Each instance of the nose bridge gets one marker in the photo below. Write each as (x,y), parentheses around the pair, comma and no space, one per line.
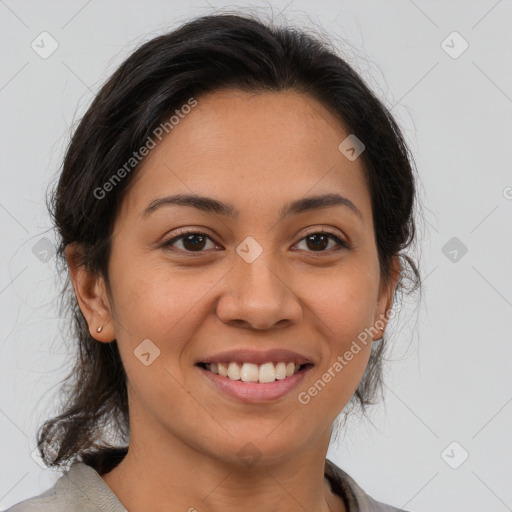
(258,294)
(257,268)
(260,276)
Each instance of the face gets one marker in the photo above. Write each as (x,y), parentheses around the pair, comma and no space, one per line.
(255,275)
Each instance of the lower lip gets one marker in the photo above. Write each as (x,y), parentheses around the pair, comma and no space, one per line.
(255,391)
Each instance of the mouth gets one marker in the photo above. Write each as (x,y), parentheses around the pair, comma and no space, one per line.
(254,383)
(265,373)
(256,376)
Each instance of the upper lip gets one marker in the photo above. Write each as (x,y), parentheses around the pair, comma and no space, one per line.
(257,356)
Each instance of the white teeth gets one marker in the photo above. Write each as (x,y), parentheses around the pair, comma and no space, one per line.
(222,368)
(234,371)
(267,372)
(280,371)
(250,372)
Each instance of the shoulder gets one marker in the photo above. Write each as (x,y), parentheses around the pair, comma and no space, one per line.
(355,497)
(44,501)
(81,488)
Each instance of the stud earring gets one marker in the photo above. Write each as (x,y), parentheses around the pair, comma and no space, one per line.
(100,328)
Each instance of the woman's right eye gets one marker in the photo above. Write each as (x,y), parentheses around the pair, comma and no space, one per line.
(191,241)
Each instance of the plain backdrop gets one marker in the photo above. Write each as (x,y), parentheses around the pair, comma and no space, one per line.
(441,441)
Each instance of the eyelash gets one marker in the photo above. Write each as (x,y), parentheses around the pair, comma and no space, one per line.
(183,233)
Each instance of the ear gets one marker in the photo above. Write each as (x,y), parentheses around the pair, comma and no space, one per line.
(385,299)
(91,293)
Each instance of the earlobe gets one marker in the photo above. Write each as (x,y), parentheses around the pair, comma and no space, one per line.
(91,294)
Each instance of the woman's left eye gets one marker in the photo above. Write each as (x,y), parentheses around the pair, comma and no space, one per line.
(196,241)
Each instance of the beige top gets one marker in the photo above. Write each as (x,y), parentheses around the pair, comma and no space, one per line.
(81,488)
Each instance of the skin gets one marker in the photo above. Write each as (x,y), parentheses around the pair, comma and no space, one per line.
(257,152)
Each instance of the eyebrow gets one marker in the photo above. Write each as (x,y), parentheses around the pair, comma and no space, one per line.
(211,205)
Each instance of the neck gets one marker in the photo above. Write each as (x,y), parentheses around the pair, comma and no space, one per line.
(160,472)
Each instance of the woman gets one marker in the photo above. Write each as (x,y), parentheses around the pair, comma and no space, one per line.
(233,210)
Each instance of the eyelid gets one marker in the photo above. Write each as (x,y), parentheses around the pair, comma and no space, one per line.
(315,230)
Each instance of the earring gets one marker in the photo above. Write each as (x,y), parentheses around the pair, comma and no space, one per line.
(100,328)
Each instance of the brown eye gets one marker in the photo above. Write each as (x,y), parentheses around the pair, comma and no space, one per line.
(191,241)
(318,242)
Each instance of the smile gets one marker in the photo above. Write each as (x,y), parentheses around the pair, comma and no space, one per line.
(250,372)
(251,382)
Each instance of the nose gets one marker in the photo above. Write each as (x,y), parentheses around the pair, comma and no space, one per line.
(259,295)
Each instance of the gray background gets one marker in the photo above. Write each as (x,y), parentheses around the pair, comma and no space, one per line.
(449,378)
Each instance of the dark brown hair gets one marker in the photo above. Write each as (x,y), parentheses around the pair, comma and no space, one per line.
(204,55)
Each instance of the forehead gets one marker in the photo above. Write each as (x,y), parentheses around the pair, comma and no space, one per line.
(258,149)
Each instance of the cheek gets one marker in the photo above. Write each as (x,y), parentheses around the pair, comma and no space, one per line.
(166,309)
(152,298)
(345,301)
(151,302)
(345,307)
